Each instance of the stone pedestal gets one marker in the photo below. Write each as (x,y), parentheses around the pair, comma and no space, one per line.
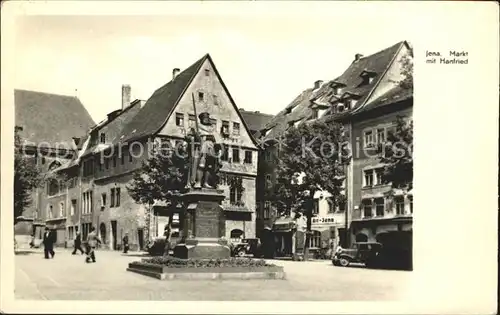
(203,224)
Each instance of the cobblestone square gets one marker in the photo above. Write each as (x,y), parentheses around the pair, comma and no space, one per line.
(68,277)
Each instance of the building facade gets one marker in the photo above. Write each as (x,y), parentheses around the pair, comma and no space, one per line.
(51,127)
(115,148)
(366,83)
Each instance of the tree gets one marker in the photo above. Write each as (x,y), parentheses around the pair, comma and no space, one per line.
(407,72)
(162,178)
(311,158)
(27,176)
(397,155)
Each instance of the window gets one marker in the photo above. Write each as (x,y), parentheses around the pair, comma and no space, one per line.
(236,129)
(192,121)
(106,163)
(367,209)
(225,152)
(400,206)
(379,207)
(103,138)
(379,173)
(315,206)
(337,90)
(267,210)
(368,138)
(117,197)
(216,99)
(122,156)
(201,96)
(269,182)
(248,157)
(340,107)
(61,209)
(112,198)
(331,205)
(179,120)
(73,206)
(381,135)
(103,200)
(342,206)
(207,72)
(268,156)
(411,204)
(368,178)
(235,193)
(236,155)
(114,160)
(315,240)
(225,128)
(43,159)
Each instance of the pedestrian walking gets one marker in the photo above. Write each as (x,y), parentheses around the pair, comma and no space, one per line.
(77,244)
(125,243)
(92,241)
(48,244)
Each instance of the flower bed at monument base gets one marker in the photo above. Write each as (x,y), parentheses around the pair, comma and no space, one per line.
(204,269)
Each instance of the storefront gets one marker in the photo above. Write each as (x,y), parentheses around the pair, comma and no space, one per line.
(283,231)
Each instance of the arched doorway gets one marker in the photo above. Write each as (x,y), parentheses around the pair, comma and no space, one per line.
(361,237)
(102,229)
(236,234)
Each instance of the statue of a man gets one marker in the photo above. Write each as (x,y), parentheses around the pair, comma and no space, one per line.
(204,150)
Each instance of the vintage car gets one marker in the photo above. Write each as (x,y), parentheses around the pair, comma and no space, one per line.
(360,252)
(247,246)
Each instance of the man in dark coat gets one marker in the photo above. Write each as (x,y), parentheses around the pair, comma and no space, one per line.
(48,243)
(125,243)
(77,245)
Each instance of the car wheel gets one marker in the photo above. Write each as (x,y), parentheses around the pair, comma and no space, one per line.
(241,253)
(344,262)
(335,263)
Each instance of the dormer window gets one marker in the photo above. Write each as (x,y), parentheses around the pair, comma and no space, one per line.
(368,76)
(341,107)
(337,90)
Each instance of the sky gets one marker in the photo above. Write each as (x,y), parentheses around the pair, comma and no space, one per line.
(265,61)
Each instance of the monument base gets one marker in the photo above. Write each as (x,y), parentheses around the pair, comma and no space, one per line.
(202,249)
(204,225)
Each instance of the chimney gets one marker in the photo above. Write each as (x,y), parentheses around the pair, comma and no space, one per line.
(175,72)
(357,57)
(125,95)
(318,84)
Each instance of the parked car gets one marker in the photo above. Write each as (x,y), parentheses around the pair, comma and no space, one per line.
(247,246)
(360,252)
(392,258)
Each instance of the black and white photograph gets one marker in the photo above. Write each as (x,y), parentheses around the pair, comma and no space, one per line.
(216,156)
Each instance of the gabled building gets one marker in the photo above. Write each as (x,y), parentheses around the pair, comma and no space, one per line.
(365,82)
(116,147)
(51,127)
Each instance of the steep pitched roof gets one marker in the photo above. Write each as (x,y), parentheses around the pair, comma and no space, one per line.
(255,120)
(50,118)
(377,64)
(115,125)
(158,108)
(297,110)
(160,105)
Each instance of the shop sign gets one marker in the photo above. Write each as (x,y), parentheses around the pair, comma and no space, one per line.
(322,220)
